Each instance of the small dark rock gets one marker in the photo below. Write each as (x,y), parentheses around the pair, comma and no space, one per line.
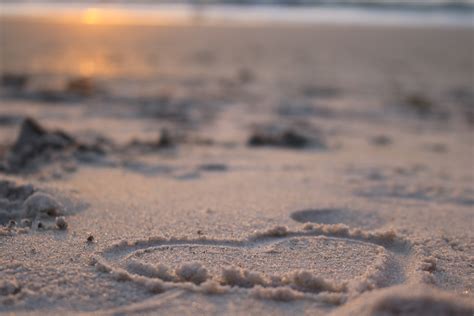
(82,86)
(288,138)
(381,140)
(90,238)
(15,81)
(213,167)
(419,103)
(165,139)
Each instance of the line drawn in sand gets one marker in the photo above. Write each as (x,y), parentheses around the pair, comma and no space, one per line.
(326,263)
(329,263)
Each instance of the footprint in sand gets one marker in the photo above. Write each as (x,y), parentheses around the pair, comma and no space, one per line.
(438,193)
(352,218)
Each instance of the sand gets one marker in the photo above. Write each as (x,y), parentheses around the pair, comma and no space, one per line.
(236,170)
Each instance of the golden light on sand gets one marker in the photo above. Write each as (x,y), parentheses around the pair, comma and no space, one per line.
(87,68)
(93,66)
(92,16)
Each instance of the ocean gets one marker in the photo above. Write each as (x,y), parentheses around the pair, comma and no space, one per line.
(385,12)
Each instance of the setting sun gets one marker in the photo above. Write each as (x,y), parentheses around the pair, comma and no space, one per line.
(91,16)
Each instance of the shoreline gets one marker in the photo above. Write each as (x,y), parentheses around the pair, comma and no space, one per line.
(222,15)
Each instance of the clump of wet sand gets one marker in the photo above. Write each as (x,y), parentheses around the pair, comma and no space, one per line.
(23,207)
(36,146)
(286,138)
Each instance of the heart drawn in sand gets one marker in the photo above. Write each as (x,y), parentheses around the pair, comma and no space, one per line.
(315,260)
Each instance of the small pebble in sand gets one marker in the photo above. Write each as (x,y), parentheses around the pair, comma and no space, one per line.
(90,238)
(420,103)
(61,223)
(165,139)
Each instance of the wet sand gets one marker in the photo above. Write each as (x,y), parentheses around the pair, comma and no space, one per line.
(236,170)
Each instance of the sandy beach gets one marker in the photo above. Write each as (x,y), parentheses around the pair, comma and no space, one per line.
(236,169)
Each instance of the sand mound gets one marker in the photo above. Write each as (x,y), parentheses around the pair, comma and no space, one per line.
(408,300)
(23,207)
(41,204)
(287,137)
(11,200)
(36,146)
(34,142)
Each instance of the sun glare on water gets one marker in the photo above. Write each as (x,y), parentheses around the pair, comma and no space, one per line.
(91,16)
(120,16)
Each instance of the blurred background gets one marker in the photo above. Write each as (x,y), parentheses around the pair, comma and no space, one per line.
(184,61)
